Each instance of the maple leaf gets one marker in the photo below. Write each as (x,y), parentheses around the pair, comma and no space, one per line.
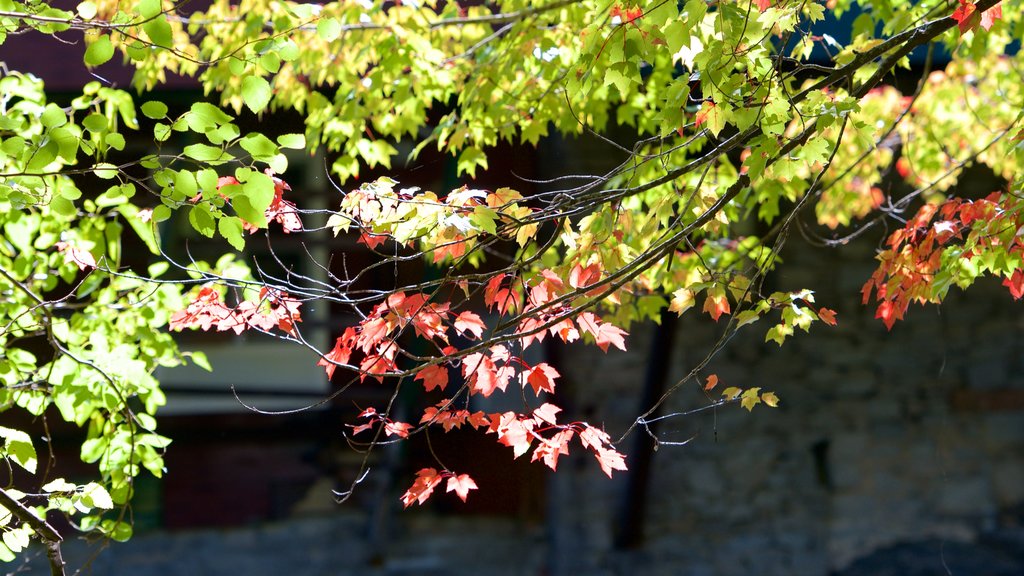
(546,413)
(889,314)
(340,354)
(827,316)
(542,377)
(565,330)
(716,304)
(482,374)
(604,334)
(989,17)
(373,331)
(361,427)
(550,449)
(469,323)
(610,460)
(461,485)
(763,5)
(580,277)
(400,429)
(433,376)
(1016,284)
(770,399)
(512,431)
(712,382)
(426,480)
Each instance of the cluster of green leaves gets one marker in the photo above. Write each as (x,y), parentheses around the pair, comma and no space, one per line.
(79,340)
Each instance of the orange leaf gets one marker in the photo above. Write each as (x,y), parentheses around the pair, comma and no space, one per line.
(712,382)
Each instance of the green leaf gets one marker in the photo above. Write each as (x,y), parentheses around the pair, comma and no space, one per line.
(99,52)
(149,8)
(207,153)
(159,31)
(293,141)
(97,496)
(259,146)
(255,93)
(53,116)
(328,29)
(154,109)
(105,170)
(18,447)
(201,219)
(230,227)
(86,10)
(483,218)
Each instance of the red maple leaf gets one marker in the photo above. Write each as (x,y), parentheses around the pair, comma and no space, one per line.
(469,323)
(550,449)
(434,376)
(545,413)
(340,354)
(461,485)
(610,460)
(965,16)
(827,316)
(989,17)
(763,5)
(400,429)
(426,480)
(512,431)
(542,377)
(604,334)
(580,277)
(1016,284)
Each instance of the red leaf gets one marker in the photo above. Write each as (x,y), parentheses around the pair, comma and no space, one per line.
(603,333)
(362,427)
(461,485)
(426,480)
(546,413)
(888,313)
(581,277)
(542,377)
(482,374)
(469,323)
(827,316)
(989,17)
(434,376)
(965,16)
(763,5)
(550,449)
(512,431)
(712,382)
(341,353)
(610,460)
(1016,284)
(400,429)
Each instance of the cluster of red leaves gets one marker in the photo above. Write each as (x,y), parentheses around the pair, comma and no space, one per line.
(519,432)
(429,478)
(391,427)
(967,16)
(913,257)
(626,14)
(206,311)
